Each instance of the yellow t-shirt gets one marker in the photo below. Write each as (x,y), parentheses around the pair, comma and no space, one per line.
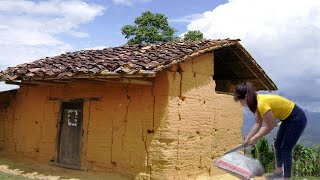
(280,106)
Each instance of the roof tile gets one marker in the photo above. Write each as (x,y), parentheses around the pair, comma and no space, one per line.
(118,60)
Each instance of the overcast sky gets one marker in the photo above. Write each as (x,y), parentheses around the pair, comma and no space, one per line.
(283,36)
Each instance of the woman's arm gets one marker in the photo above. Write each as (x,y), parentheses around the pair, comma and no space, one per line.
(270,123)
(256,127)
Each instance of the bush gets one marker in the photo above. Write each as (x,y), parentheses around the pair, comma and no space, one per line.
(264,154)
(306,160)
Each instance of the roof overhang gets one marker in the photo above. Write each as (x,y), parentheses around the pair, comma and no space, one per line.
(233,65)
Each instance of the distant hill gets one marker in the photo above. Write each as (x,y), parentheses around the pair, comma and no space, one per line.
(310,136)
(312,132)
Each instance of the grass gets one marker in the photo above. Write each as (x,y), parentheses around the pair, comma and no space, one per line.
(306,178)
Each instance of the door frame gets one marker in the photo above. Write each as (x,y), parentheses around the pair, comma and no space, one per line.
(60,117)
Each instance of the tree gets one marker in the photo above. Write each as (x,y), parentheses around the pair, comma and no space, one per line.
(193,36)
(149,28)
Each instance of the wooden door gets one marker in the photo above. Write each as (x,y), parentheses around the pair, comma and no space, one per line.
(69,145)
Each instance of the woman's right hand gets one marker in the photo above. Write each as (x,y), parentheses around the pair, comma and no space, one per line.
(246,142)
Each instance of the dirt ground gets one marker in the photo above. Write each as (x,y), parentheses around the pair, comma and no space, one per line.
(15,168)
(24,168)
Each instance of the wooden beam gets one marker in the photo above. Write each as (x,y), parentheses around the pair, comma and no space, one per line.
(68,99)
(234,79)
(13,83)
(128,80)
(43,82)
(102,81)
(61,81)
(94,76)
(115,76)
(222,92)
(250,69)
(90,81)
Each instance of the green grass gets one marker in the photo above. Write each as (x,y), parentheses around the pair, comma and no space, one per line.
(306,178)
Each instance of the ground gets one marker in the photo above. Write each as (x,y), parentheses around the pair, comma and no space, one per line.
(11,177)
(14,168)
(18,169)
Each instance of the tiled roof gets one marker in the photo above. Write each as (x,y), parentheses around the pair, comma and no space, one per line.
(124,60)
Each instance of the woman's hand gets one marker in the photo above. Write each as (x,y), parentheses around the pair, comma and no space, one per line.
(246,142)
(253,140)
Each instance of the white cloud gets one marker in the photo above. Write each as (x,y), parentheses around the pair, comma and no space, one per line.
(129,2)
(282,35)
(78,34)
(95,47)
(31,29)
(186,19)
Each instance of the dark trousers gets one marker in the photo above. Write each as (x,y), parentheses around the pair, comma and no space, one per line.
(288,135)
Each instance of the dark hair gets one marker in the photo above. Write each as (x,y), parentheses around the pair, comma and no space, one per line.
(247,89)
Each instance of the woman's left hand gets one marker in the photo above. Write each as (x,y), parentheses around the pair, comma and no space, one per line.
(253,140)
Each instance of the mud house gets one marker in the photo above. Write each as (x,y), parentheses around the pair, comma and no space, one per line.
(156,111)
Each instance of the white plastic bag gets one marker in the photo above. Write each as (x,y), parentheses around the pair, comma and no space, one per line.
(240,165)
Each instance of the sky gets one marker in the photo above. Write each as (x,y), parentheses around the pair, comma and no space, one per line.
(283,36)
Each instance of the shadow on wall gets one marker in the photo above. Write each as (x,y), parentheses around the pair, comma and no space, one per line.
(5,100)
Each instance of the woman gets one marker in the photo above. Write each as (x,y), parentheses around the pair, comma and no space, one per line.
(266,108)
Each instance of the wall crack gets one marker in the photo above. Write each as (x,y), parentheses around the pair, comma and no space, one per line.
(180,72)
(87,133)
(111,138)
(126,115)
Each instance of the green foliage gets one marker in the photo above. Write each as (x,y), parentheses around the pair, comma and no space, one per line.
(149,28)
(306,161)
(264,154)
(193,36)
(154,28)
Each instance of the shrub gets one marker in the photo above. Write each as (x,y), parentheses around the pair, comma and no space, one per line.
(306,161)
(264,154)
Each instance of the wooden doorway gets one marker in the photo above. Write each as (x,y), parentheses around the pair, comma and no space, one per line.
(70,133)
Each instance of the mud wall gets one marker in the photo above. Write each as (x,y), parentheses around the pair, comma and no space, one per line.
(115,126)
(199,126)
